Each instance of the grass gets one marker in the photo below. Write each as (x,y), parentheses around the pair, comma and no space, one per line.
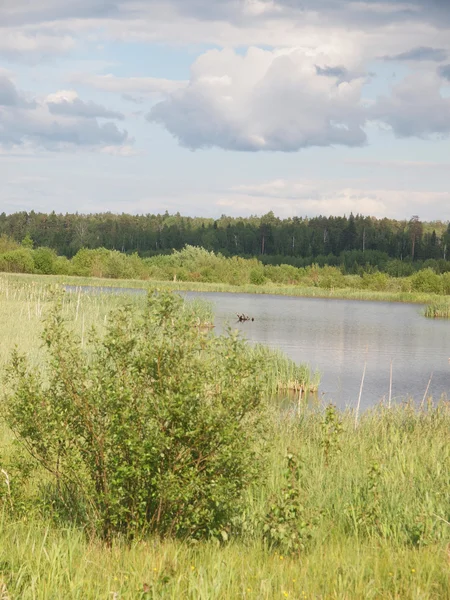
(375,533)
(374,502)
(349,293)
(438,310)
(60,564)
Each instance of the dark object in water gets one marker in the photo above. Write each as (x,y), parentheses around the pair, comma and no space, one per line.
(242,318)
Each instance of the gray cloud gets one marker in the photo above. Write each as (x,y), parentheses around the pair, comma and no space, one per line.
(133,99)
(340,72)
(415,108)
(9,95)
(25,123)
(444,71)
(20,12)
(56,135)
(14,12)
(87,110)
(420,53)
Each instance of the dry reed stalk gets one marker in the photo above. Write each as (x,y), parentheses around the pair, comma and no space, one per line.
(390,388)
(360,394)
(7,483)
(426,392)
(4,595)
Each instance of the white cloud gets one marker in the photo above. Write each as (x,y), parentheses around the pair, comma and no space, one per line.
(127,85)
(125,151)
(264,100)
(33,45)
(313,197)
(59,122)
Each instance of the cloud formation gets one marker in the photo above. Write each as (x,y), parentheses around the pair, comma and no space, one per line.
(20,11)
(421,53)
(58,122)
(34,45)
(67,102)
(444,71)
(416,107)
(129,85)
(314,197)
(264,100)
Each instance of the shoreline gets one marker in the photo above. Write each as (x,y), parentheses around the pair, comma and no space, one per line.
(265,289)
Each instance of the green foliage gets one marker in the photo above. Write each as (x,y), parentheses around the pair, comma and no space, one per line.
(331,432)
(285,528)
(17,261)
(257,277)
(27,242)
(366,508)
(7,243)
(427,281)
(155,426)
(44,261)
(375,281)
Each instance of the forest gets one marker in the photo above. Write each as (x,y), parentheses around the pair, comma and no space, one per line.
(299,241)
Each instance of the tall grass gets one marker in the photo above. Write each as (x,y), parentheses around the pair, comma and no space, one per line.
(438,310)
(284,375)
(376,509)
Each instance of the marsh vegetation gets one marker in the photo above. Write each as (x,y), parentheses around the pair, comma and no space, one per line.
(149,459)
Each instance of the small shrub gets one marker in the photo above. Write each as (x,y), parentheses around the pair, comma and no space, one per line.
(285,527)
(331,433)
(153,427)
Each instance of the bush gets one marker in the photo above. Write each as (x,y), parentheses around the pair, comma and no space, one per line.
(446,283)
(257,277)
(375,281)
(154,427)
(427,281)
(44,261)
(17,261)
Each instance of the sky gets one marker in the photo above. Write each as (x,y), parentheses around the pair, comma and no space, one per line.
(237,107)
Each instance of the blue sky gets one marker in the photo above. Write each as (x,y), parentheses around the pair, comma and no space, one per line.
(226,106)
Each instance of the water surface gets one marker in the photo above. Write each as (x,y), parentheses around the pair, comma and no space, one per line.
(338,337)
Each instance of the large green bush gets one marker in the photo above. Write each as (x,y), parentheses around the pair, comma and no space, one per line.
(427,281)
(17,261)
(44,261)
(155,426)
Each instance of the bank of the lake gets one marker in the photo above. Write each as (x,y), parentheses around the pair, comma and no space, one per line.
(263,289)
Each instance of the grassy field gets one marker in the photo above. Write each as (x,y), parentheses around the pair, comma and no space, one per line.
(268,288)
(363,512)
(376,515)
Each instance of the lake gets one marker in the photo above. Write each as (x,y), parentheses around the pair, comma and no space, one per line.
(338,337)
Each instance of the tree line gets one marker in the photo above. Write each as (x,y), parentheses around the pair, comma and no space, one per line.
(299,241)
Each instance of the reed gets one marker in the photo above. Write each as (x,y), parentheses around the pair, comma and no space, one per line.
(282,375)
(438,310)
